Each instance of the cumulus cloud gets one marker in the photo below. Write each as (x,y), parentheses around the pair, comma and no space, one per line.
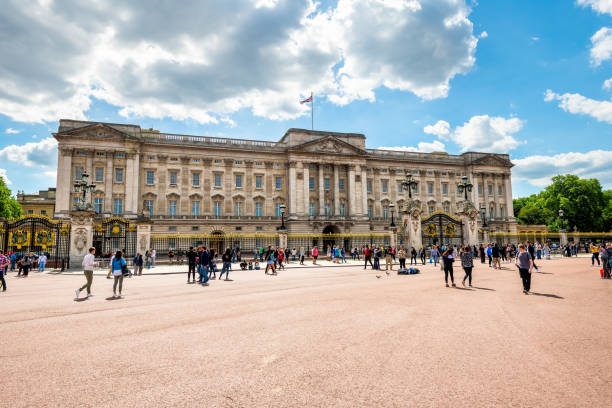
(440,129)
(607,84)
(484,34)
(423,147)
(601,49)
(32,154)
(205,61)
(481,133)
(600,6)
(12,131)
(5,177)
(578,104)
(538,170)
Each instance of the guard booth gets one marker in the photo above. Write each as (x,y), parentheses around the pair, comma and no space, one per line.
(38,234)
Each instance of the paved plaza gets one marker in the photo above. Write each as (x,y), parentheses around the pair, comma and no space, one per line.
(311,337)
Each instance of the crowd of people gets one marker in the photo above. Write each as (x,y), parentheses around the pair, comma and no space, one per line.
(204,260)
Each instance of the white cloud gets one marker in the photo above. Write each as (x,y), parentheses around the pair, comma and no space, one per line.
(602,46)
(538,170)
(600,6)
(211,60)
(12,131)
(423,147)
(535,38)
(440,129)
(481,133)
(32,154)
(607,84)
(5,177)
(578,104)
(484,34)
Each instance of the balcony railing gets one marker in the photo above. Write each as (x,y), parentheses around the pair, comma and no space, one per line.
(210,141)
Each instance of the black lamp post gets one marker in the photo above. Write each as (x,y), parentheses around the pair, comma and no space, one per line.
(465,186)
(561,219)
(81,186)
(392,207)
(409,184)
(282,211)
(483,215)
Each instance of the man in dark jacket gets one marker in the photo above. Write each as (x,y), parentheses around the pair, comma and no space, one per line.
(191,261)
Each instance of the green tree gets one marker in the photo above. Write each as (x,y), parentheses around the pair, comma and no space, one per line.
(585,205)
(9,207)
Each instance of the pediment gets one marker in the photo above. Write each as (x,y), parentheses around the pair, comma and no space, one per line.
(328,145)
(492,160)
(96,130)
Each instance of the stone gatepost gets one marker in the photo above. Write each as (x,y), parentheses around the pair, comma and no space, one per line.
(143,237)
(393,237)
(282,238)
(563,236)
(411,220)
(469,219)
(81,236)
(485,234)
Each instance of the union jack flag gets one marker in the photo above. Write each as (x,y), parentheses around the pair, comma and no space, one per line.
(309,99)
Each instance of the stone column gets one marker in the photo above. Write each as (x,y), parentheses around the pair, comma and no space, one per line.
(364,191)
(185,186)
(351,191)
(292,187)
(129,185)
(336,191)
(508,191)
(89,165)
(228,187)
(81,236)
(64,181)
(143,233)
(412,220)
(321,188)
(470,228)
(108,182)
(563,236)
(306,197)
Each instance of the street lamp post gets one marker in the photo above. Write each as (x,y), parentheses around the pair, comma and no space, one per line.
(282,211)
(81,186)
(409,184)
(465,186)
(483,215)
(392,207)
(561,219)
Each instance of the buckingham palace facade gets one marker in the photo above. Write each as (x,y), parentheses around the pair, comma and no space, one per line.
(327,181)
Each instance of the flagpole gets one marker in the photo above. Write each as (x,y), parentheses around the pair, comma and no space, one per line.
(312,109)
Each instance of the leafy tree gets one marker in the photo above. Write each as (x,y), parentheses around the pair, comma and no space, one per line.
(584,205)
(9,207)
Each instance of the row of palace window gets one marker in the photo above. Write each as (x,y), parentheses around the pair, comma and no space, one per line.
(278,182)
(149,206)
(384,184)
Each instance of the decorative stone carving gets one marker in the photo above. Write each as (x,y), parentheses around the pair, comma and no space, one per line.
(81,236)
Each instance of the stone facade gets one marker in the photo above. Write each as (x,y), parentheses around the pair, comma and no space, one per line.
(42,203)
(329,182)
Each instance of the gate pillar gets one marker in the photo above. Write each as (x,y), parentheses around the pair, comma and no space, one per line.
(143,232)
(81,236)
(282,239)
(469,218)
(393,237)
(411,220)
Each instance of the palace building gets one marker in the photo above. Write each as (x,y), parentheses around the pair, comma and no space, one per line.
(325,182)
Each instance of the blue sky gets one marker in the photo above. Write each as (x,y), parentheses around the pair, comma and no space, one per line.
(525,78)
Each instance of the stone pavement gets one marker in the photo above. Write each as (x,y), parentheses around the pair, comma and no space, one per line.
(311,337)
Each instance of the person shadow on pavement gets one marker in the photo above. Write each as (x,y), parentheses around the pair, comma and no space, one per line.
(550,295)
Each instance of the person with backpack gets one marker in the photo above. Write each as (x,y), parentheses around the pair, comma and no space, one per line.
(204,261)
(138,264)
(118,266)
(269,257)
